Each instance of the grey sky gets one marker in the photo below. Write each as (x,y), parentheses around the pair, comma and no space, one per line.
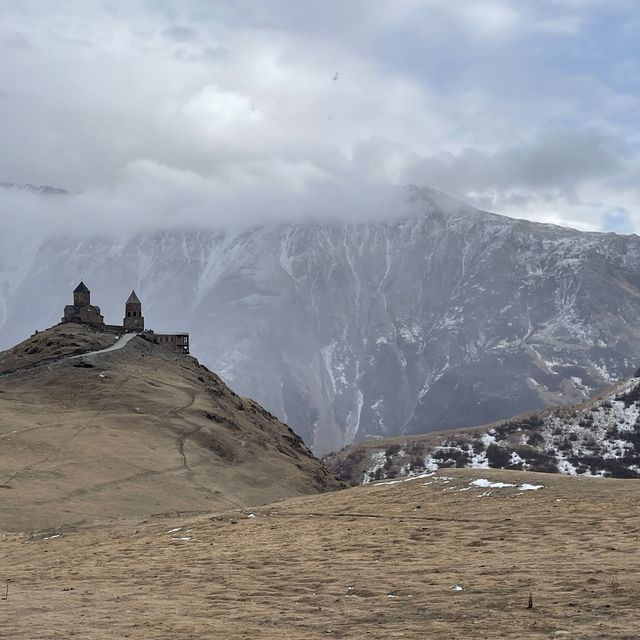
(163,112)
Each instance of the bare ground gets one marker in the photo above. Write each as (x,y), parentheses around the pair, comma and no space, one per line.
(380,561)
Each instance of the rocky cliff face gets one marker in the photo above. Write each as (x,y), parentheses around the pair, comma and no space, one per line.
(446,318)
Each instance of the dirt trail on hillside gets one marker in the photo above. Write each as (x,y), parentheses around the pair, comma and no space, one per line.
(431,558)
(120,343)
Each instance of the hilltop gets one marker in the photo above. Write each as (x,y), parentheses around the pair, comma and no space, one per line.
(57,343)
(452,555)
(92,432)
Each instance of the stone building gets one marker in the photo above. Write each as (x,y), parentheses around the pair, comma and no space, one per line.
(178,342)
(133,319)
(82,310)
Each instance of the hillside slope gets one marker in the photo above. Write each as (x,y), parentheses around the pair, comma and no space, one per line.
(447,317)
(600,437)
(454,555)
(133,432)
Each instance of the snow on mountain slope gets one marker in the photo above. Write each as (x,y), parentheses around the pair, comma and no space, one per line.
(600,437)
(445,318)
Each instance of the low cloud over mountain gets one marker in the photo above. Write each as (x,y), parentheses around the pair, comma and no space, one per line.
(241,113)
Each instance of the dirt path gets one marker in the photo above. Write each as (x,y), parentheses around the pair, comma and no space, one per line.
(120,343)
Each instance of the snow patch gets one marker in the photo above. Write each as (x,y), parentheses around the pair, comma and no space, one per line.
(525,486)
(486,484)
(378,459)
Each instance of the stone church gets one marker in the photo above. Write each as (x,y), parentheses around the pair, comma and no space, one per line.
(83,312)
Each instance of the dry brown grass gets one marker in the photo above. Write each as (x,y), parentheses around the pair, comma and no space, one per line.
(135,432)
(377,561)
(51,345)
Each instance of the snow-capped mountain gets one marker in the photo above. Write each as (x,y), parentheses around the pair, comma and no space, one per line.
(600,437)
(445,318)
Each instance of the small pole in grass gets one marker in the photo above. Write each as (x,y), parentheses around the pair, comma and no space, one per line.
(6,591)
(530,605)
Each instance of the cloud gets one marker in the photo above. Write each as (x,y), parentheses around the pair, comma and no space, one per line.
(148,196)
(208,113)
(201,54)
(13,39)
(565,177)
(490,17)
(180,34)
(558,161)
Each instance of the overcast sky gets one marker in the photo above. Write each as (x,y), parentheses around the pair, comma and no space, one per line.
(195,111)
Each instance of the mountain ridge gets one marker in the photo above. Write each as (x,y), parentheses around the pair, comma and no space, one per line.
(444,318)
(42,189)
(600,437)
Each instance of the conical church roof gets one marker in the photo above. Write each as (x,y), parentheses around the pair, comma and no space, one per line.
(133,298)
(81,288)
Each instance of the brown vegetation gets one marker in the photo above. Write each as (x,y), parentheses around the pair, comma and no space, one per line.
(134,432)
(429,558)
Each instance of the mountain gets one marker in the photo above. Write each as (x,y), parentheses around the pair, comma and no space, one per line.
(91,431)
(447,317)
(600,437)
(42,189)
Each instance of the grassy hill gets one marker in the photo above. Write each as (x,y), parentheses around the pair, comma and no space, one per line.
(133,432)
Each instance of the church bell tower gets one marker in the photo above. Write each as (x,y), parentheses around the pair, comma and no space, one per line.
(81,295)
(133,320)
